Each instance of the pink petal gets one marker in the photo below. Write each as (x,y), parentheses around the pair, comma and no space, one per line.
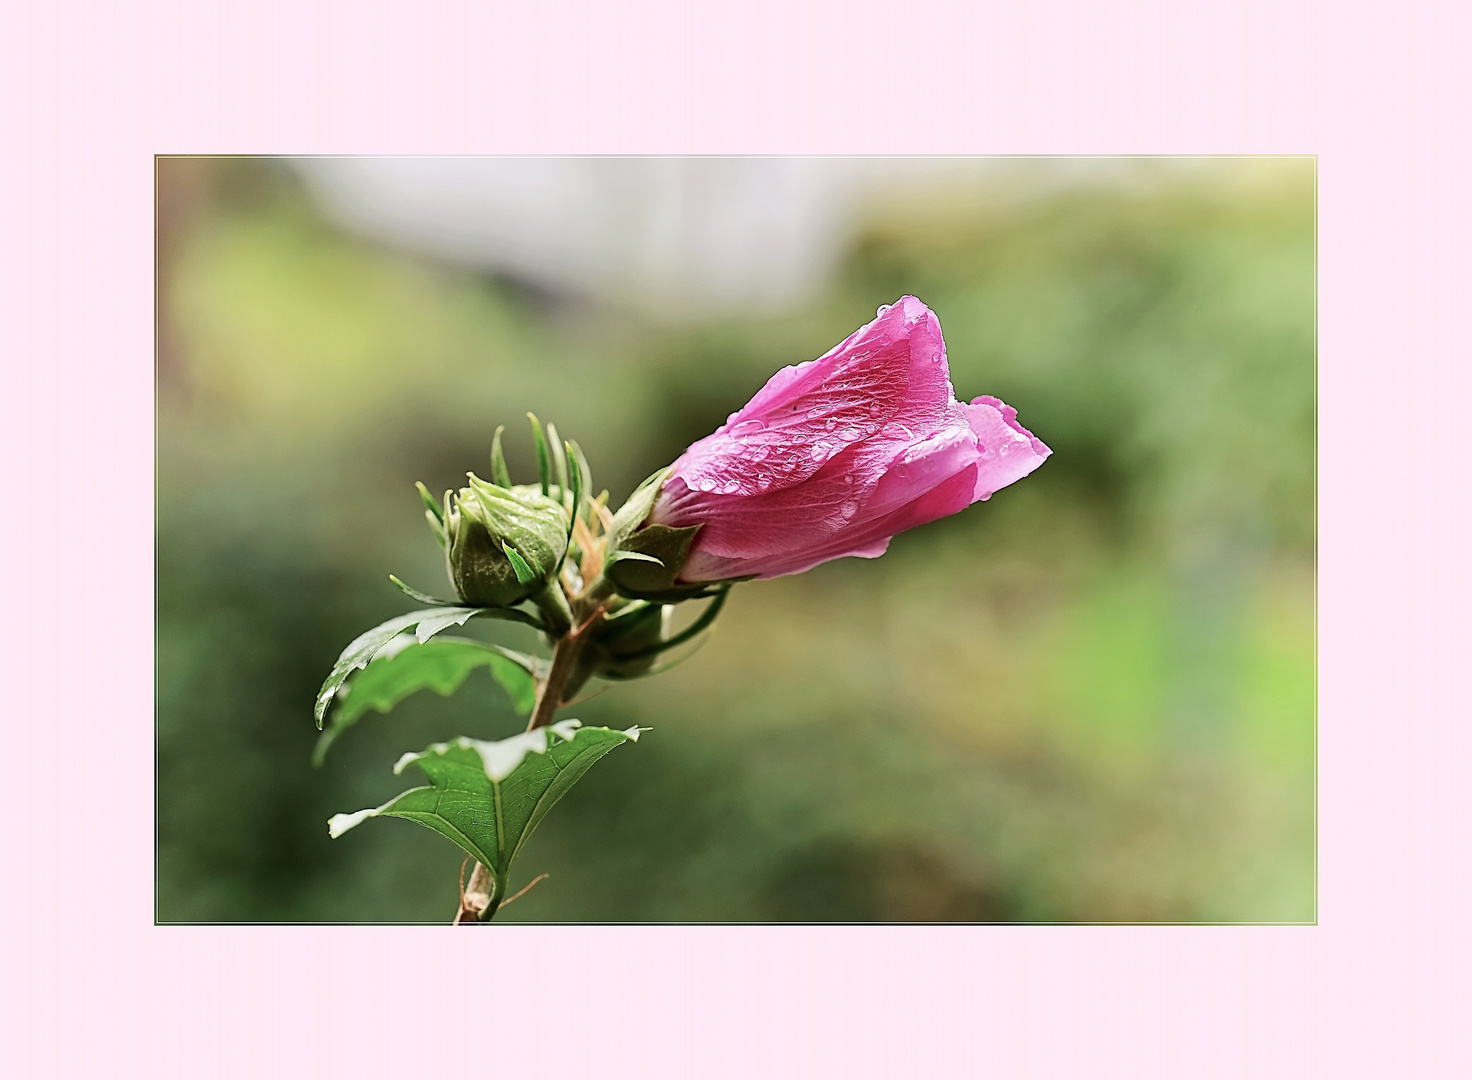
(773,522)
(920,466)
(869,542)
(831,515)
(1008,450)
(929,396)
(893,367)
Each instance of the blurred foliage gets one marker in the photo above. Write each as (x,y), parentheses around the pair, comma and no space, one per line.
(1091,698)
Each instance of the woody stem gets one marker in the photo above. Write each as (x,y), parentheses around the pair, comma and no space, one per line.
(475,899)
(564,660)
(474,907)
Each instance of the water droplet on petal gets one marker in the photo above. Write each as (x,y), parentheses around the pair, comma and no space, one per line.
(985,495)
(848,509)
(830,423)
(848,480)
(748,427)
(882,309)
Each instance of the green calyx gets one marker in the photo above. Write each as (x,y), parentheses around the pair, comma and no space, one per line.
(639,639)
(502,545)
(644,561)
(634,512)
(647,564)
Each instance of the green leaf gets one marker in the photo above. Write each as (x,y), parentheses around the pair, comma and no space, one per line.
(365,646)
(404,666)
(488,797)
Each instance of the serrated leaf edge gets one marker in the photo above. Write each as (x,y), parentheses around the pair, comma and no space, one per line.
(501,757)
(396,645)
(425,625)
(520,745)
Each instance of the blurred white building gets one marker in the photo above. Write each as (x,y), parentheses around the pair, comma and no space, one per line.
(675,237)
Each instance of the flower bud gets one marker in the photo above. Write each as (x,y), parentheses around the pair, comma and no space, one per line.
(502,544)
(624,646)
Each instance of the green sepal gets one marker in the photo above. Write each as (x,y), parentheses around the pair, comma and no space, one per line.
(488,797)
(499,473)
(430,502)
(647,564)
(544,462)
(636,555)
(576,465)
(524,573)
(633,512)
(559,461)
(585,474)
(432,514)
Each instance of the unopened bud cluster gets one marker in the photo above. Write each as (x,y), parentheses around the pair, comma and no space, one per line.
(554,545)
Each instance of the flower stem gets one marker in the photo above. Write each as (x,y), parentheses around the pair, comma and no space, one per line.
(477,904)
(475,899)
(549,692)
(555,611)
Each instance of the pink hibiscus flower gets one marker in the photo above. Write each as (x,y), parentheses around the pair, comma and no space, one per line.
(835,456)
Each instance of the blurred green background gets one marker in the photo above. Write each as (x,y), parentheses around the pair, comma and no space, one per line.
(1091,698)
